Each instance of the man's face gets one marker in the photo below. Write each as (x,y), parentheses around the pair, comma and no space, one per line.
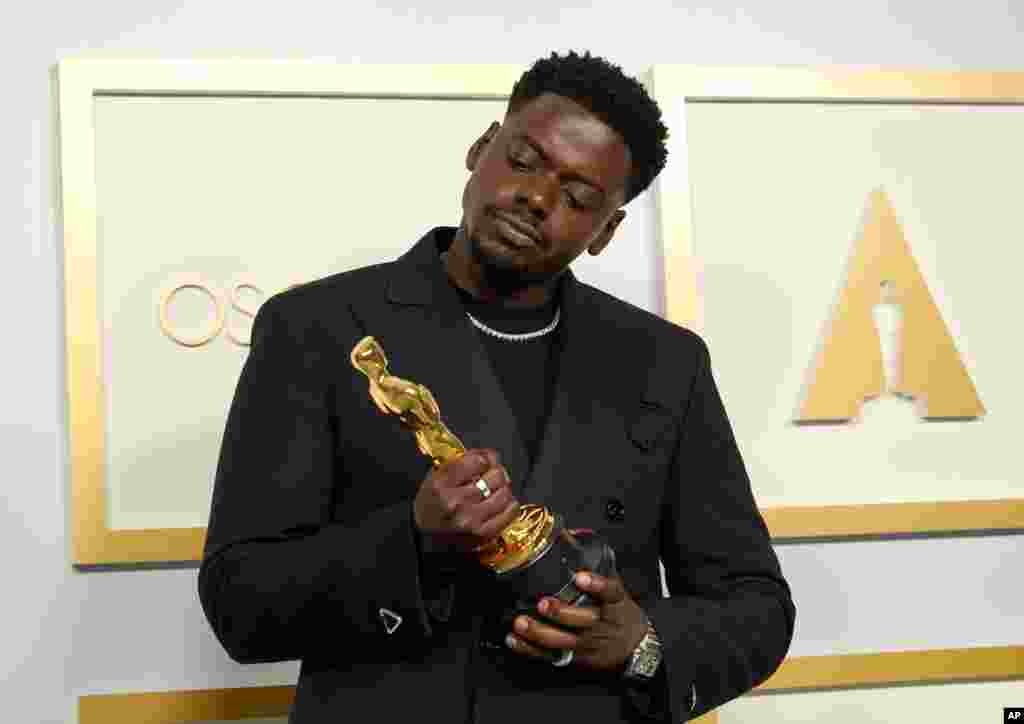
(546,185)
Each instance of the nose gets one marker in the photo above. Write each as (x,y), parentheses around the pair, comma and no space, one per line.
(538,194)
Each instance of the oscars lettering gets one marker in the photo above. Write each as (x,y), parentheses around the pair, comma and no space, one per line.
(232,308)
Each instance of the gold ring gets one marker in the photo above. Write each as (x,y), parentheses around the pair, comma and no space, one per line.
(485,491)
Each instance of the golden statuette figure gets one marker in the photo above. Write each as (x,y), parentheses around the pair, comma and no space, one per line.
(526,538)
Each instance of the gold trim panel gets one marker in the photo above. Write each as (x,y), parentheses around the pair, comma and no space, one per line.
(672,84)
(80,81)
(174,707)
(934,666)
(675,84)
(690,84)
(771,84)
(893,518)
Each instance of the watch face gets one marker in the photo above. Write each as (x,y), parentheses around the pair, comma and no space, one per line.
(647,663)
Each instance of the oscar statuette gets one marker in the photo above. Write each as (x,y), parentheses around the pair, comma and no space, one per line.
(535,555)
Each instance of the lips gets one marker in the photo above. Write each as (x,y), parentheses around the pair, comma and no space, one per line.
(517,232)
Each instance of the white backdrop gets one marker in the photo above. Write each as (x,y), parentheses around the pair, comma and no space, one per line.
(67,633)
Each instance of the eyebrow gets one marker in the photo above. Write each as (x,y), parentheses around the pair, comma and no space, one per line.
(571,175)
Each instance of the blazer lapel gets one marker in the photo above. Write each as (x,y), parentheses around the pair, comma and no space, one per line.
(422,327)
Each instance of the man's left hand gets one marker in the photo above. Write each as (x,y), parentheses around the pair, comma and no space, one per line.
(603,637)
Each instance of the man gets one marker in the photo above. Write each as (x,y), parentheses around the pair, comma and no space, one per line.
(331,540)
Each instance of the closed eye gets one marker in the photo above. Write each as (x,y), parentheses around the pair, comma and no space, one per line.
(519,164)
(574,202)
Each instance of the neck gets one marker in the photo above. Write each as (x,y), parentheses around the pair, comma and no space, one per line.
(467,273)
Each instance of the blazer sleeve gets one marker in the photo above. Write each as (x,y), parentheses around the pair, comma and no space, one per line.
(728,620)
(280,579)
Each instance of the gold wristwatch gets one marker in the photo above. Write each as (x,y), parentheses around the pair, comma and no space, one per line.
(643,665)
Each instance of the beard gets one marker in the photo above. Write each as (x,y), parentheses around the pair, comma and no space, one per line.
(504,275)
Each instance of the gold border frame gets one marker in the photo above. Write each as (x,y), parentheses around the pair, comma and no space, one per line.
(894,668)
(80,81)
(174,707)
(686,84)
(808,673)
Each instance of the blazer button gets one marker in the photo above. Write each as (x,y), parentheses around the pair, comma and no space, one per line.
(614,510)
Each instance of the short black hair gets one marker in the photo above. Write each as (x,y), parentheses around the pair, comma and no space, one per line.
(617,99)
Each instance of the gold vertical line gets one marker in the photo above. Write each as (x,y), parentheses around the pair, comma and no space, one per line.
(86,428)
(675,218)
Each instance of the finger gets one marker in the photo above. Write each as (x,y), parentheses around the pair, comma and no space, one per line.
(478,518)
(468,496)
(482,460)
(543,635)
(525,648)
(566,615)
(483,517)
(491,455)
(606,590)
(491,527)
(495,477)
(471,497)
(465,469)
(468,492)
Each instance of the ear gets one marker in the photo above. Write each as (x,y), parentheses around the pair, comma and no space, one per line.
(604,238)
(478,147)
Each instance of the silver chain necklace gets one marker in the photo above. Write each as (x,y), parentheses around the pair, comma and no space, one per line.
(508,337)
(521,337)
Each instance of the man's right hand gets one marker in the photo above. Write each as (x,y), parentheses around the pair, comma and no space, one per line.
(451,511)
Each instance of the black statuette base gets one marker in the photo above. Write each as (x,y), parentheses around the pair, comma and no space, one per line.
(552,574)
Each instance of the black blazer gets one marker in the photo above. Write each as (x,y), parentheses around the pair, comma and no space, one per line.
(311,534)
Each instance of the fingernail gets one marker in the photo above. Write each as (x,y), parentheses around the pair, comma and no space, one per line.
(583,579)
(521,625)
(510,641)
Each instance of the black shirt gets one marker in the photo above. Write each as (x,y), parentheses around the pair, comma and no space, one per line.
(526,369)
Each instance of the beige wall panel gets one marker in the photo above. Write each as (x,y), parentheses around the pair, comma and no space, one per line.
(936,704)
(778,194)
(219,191)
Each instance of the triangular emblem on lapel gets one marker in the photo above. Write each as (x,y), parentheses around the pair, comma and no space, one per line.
(390,619)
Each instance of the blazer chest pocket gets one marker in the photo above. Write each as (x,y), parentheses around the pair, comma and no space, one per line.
(629,478)
(644,469)
(651,427)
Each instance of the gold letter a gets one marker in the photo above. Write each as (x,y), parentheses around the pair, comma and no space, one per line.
(849,367)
